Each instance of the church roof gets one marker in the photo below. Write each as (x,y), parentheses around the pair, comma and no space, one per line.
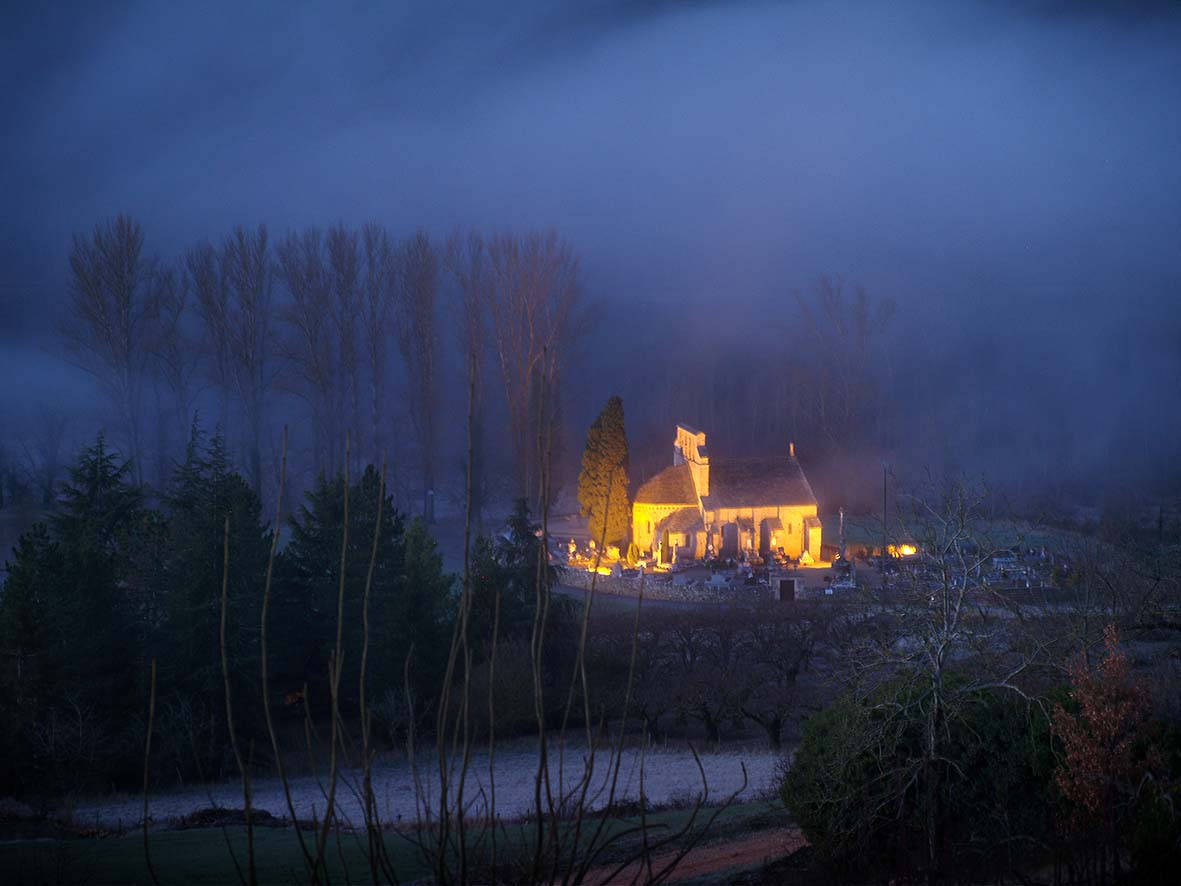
(672,486)
(757,482)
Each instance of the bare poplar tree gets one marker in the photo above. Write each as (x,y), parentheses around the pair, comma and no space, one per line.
(43,447)
(418,341)
(6,471)
(175,361)
(844,334)
(110,314)
(203,273)
(377,307)
(235,297)
(533,293)
(344,284)
(309,346)
(467,262)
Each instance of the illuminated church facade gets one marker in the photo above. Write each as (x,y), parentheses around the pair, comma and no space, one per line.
(699,506)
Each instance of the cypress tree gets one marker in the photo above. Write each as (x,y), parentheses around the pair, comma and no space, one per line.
(602,484)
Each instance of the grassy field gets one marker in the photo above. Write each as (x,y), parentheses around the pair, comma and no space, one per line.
(202,855)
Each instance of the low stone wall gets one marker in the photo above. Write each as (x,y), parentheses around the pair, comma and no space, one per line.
(659,588)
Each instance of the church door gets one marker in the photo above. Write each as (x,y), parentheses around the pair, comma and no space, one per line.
(729,540)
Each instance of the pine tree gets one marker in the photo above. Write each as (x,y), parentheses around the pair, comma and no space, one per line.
(75,624)
(27,673)
(97,613)
(204,491)
(602,484)
(409,601)
(507,567)
(418,616)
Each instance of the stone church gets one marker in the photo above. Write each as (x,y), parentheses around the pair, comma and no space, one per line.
(726,506)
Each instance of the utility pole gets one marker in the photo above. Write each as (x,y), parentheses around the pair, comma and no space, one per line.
(842,551)
(885,511)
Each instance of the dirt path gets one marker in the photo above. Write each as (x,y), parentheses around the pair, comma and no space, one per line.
(712,858)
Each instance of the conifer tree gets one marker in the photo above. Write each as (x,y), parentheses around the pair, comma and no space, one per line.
(97,613)
(418,615)
(409,601)
(27,673)
(507,567)
(602,484)
(71,625)
(204,491)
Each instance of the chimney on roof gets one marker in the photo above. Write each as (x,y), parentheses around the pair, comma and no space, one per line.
(791,450)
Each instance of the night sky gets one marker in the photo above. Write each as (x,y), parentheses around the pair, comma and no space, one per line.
(1008,173)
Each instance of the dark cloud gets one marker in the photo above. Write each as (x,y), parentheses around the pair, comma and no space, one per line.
(1129,12)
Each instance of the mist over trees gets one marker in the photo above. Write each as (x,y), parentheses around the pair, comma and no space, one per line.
(392,338)
(418,342)
(1034,337)
(346,329)
(818,371)
(107,329)
(331,331)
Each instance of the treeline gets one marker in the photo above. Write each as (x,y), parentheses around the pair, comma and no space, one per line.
(318,329)
(109,584)
(323,328)
(384,333)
